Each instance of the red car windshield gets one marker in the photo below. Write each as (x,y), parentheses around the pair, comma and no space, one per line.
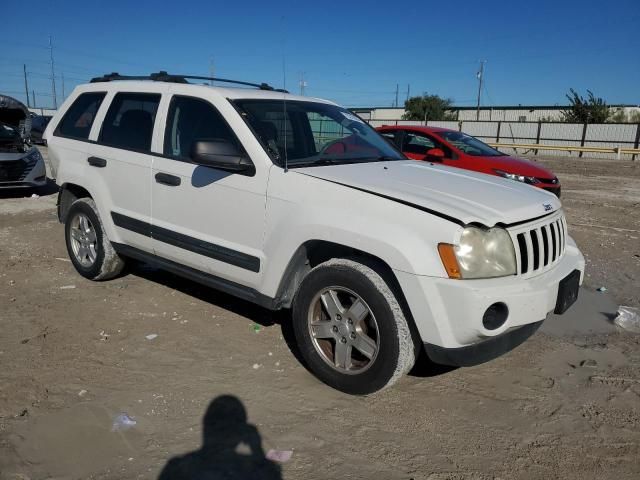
(469,145)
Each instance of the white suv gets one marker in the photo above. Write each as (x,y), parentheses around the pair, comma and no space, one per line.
(291,201)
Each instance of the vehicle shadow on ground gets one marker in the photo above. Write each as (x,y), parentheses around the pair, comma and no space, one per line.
(423,368)
(49,189)
(231,448)
(260,315)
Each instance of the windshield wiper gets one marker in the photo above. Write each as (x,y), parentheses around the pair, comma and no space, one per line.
(323,161)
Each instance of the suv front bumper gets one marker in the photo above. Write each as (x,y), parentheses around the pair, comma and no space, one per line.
(449,313)
(483,351)
(22,172)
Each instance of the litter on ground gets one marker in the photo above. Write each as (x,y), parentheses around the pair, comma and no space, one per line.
(628,318)
(280,456)
(122,422)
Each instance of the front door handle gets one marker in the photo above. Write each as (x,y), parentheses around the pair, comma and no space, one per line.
(97,162)
(166,179)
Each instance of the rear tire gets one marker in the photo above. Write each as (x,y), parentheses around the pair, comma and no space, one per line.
(88,246)
(351,330)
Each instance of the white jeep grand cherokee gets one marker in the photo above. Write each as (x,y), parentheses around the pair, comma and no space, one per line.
(290,201)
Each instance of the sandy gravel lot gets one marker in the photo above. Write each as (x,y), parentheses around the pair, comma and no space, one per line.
(74,355)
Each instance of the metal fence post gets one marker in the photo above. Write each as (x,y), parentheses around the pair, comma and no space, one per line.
(460,125)
(584,135)
(538,137)
(636,143)
(498,132)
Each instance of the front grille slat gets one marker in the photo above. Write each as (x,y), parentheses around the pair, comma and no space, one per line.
(554,245)
(535,242)
(556,227)
(545,243)
(527,239)
(540,245)
(524,256)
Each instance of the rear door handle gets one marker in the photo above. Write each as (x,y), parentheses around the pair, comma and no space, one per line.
(97,162)
(166,179)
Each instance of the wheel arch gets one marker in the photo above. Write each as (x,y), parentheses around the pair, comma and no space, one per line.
(69,193)
(314,252)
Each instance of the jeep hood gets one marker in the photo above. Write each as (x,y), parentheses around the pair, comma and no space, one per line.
(460,195)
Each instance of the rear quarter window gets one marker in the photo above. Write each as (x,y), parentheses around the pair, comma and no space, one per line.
(77,121)
(129,121)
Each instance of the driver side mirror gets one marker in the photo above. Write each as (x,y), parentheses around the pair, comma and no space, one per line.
(221,154)
(435,154)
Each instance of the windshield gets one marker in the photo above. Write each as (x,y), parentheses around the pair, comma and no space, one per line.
(311,133)
(469,145)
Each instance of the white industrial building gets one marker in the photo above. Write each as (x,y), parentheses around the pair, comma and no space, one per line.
(509,113)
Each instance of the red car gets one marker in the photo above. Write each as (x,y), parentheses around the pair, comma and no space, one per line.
(458,149)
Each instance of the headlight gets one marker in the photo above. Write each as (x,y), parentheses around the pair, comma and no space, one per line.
(481,253)
(517,177)
(34,156)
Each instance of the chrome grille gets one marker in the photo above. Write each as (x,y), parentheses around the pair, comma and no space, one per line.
(540,244)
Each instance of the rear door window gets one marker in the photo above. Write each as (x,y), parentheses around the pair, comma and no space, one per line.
(78,120)
(129,121)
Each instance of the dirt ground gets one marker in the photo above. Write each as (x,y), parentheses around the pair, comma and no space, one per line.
(75,354)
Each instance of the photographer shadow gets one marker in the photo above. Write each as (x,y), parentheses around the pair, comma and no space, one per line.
(231,448)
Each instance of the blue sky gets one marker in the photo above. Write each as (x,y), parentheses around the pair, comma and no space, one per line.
(353,52)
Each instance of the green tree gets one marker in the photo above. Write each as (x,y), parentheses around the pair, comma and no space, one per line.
(429,107)
(585,110)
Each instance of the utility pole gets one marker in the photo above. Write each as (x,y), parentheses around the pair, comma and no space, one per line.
(397,87)
(53,76)
(33,92)
(26,86)
(303,84)
(480,76)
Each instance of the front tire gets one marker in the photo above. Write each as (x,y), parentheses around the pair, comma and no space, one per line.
(350,328)
(88,246)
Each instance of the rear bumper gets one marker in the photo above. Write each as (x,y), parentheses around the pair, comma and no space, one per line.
(483,351)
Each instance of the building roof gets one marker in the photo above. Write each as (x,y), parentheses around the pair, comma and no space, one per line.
(498,107)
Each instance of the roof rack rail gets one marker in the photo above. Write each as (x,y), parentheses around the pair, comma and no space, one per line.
(163,76)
